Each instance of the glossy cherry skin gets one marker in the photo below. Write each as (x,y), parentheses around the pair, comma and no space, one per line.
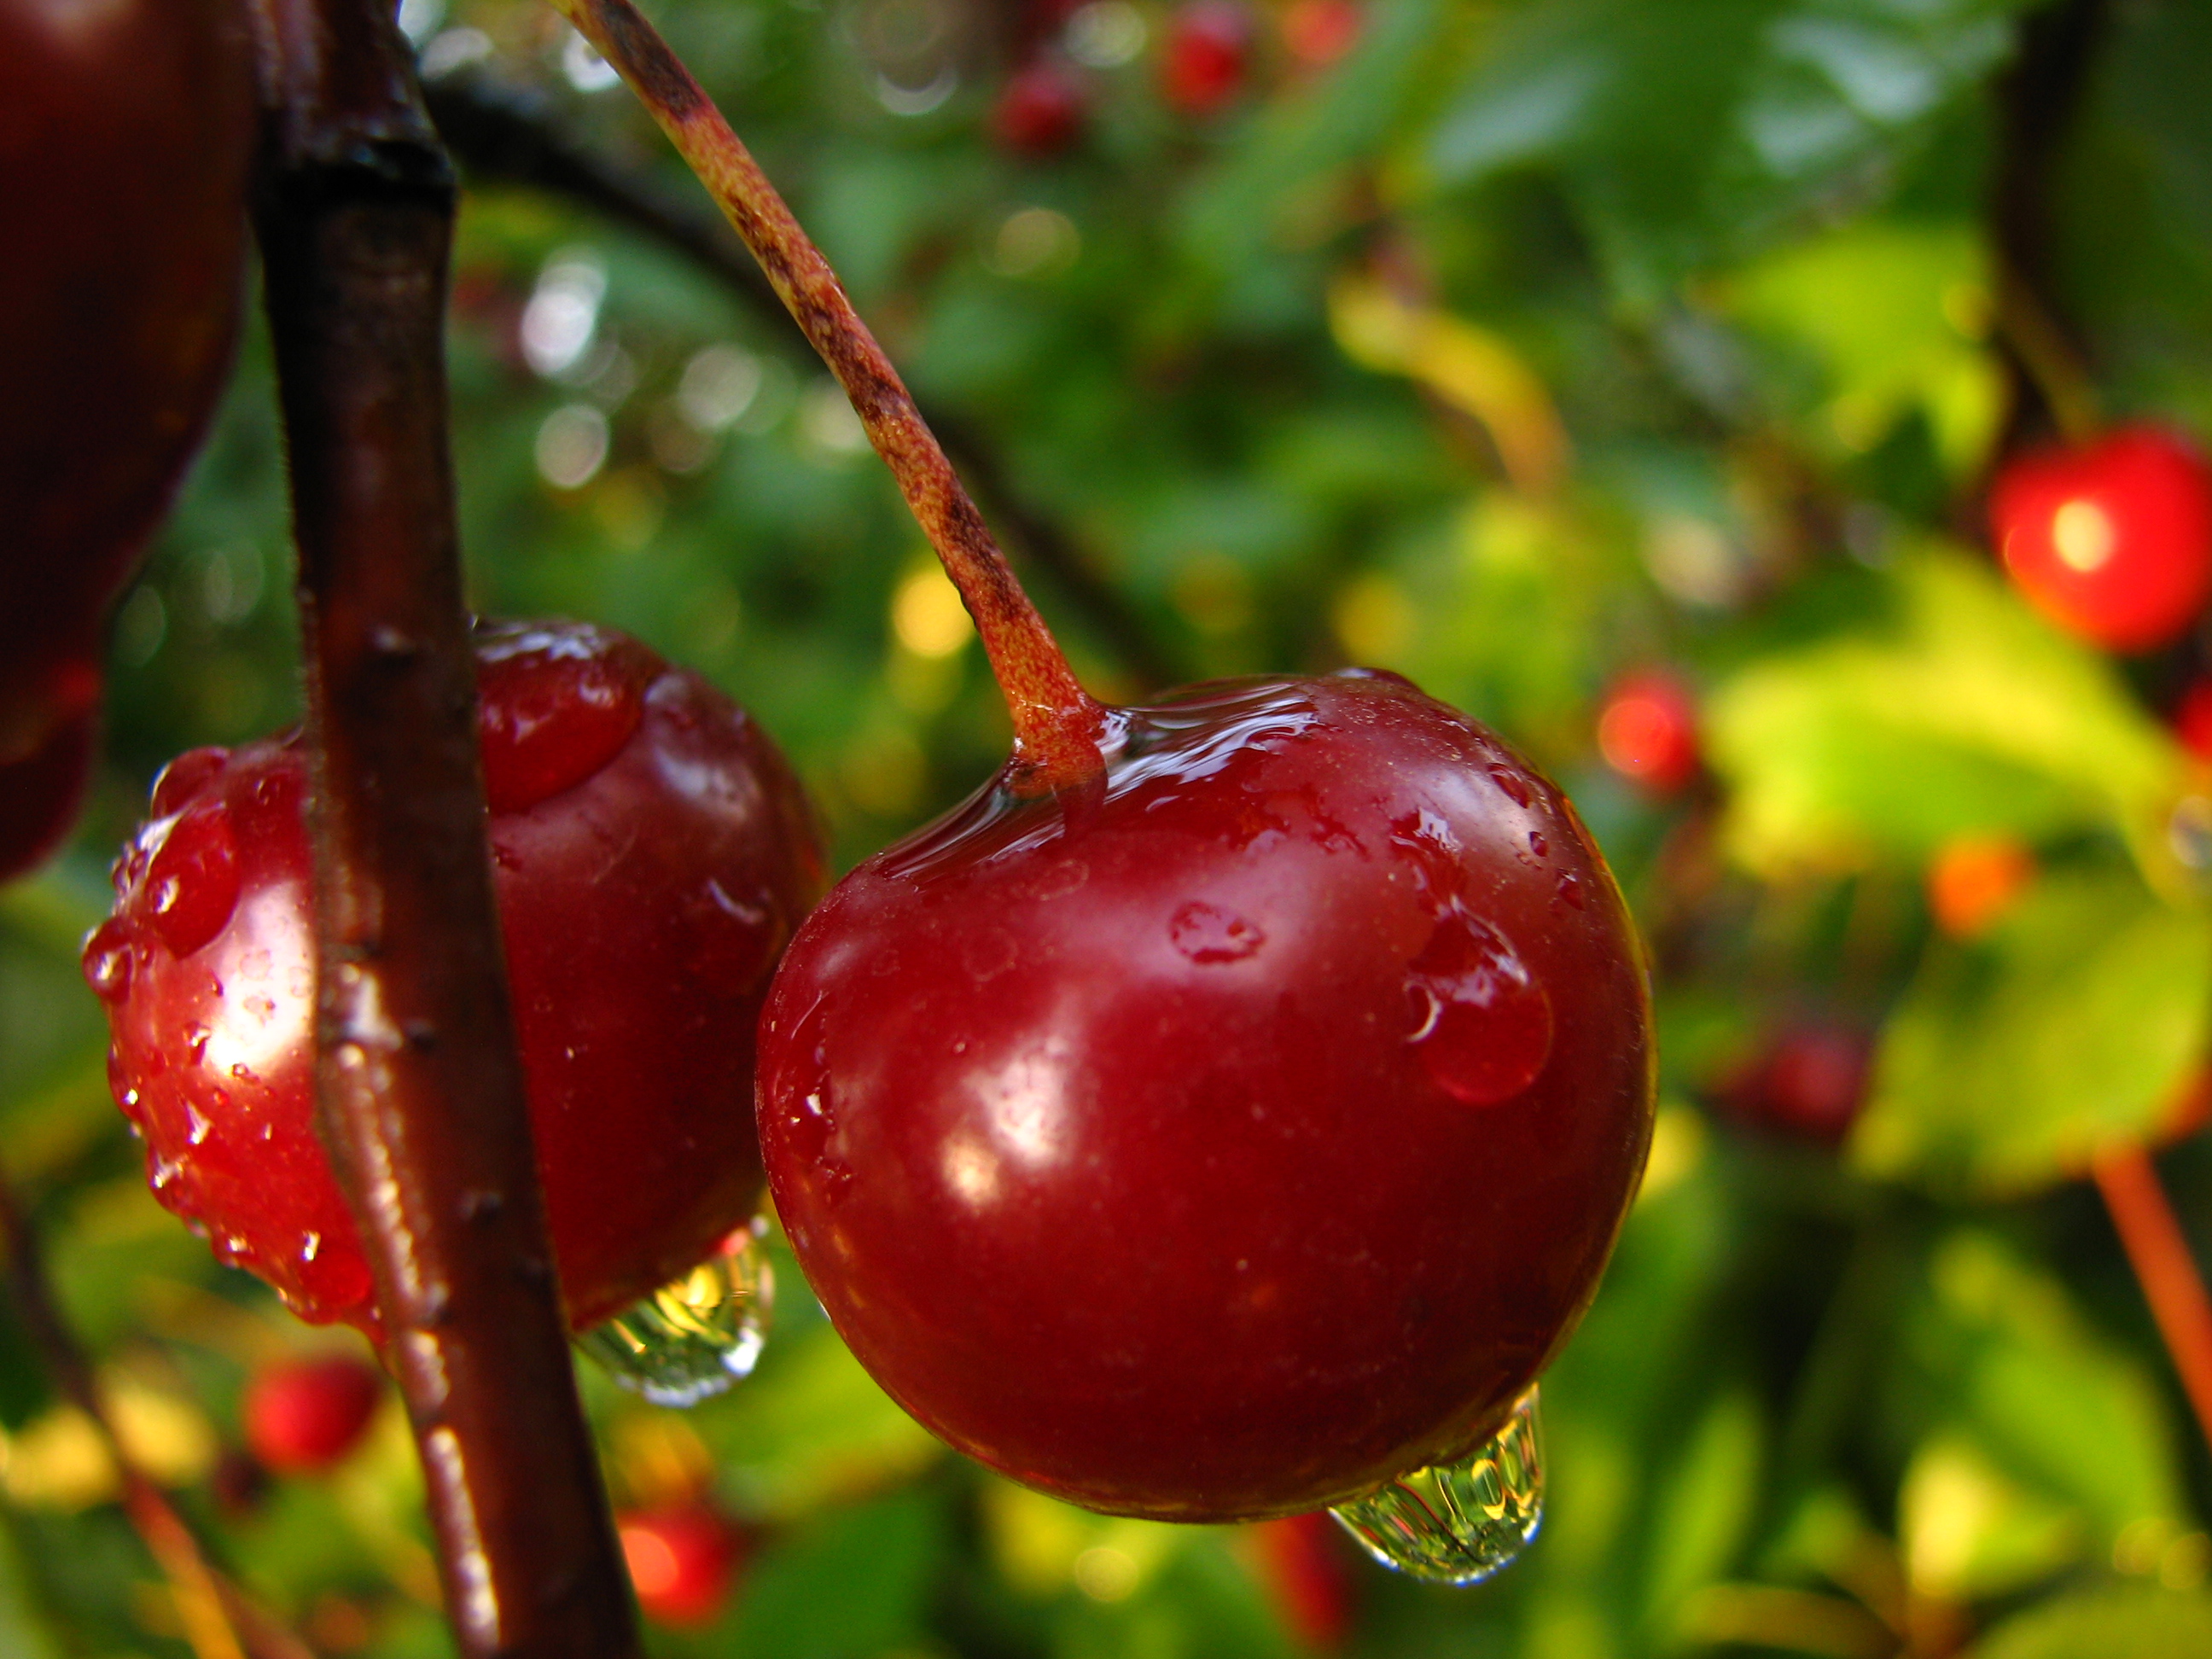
(1222,1140)
(126,129)
(684,1562)
(2112,540)
(651,855)
(303,1416)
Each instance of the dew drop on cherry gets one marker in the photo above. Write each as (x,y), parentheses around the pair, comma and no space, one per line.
(1208,934)
(185,777)
(554,707)
(695,1337)
(1459,1522)
(1480,1022)
(107,961)
(192,885)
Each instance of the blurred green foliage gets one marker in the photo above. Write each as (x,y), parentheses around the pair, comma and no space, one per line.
(1528,343)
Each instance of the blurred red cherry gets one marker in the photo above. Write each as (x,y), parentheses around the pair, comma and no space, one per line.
(303,1416)
(1204,58)
(1647,731)
(2112,540)
(1317,32)
(1307,1577)
(1040,111)
(1809,1080)
(1974,879)
(684,1562)
(2192,717)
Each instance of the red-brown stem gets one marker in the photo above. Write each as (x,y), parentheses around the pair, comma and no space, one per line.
(419,1088)
(2160,1254)
(219,1621)
(1056,723)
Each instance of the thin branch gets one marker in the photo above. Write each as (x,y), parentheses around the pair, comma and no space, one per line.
(419,1088)
(509,133)
(2160,1254)
(1056,723)
(219,1621)
(2038,99)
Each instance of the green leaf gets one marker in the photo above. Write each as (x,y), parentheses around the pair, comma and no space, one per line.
(1963,714)
(2113,1623)
(799,1601)
(2012,1057)
(1691,132)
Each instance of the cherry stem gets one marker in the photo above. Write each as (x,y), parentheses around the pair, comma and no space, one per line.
(1056,722)
(419,1087)
(2164,1267)
(497,131)
(219,1621)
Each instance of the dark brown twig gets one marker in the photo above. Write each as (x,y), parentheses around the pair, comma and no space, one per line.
(1057,725)
(2038,99)
(219,1621)
(505,133)
(419,1089)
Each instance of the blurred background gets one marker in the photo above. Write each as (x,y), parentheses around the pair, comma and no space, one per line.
(1633,374)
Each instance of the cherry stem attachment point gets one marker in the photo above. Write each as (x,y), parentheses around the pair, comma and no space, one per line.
(1057,724)
(2158,1252)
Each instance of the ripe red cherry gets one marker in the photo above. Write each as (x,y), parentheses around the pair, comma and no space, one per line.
(1204,58)
(1040,111)
(1223,1136)
(1307,1574)
(651,853)
(124,134)
(2112,540)
(303,1416)
(1647,731)
(684,1562)
(1809,1080)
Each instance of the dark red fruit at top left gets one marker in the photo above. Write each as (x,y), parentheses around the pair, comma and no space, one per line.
(1229,1134)
(125,133)
(651,855)
(303,1416)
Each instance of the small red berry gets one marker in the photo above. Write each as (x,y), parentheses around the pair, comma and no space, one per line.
(1809,1081)
(1040,111)
(1647,731)
(2112,540)
(1307,1575)
(684,1562)
(1974,880)
(303,1416)
(1319,32)
(652,853)
(1203,61)
(2192,718)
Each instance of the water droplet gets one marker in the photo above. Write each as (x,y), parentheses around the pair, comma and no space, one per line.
(192,885)
(1571,889)
(1482,1023)
(187,777)
(1514,785)
(1458,1523)
(692,1338)
(196,1127)
(311,1247)
(107,961)
(1207,934)
(197,1038)
(1537,844)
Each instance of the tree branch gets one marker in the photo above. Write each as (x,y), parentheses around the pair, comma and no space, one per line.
(419,1088)
(2158,1252)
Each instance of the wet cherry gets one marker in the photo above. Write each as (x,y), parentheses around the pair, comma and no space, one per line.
(1226,1134)
(652,853)
(303,1416)
(684,1562)
(124,134)
(2112,540)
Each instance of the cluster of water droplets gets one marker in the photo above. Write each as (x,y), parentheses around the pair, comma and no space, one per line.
(1458,1523)
(697,1336)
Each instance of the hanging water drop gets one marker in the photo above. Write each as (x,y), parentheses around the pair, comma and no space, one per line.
(694,1337)
(1458,1523)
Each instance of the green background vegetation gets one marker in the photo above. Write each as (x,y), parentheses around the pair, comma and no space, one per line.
(1527,344)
